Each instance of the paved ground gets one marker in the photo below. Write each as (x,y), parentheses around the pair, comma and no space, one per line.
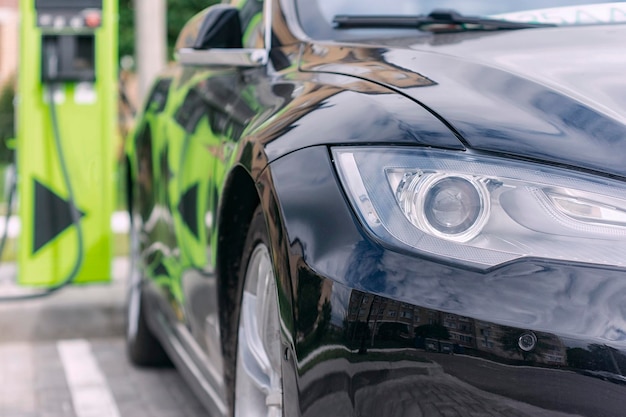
(64,356)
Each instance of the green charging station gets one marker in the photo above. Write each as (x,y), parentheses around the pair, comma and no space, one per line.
(66,140)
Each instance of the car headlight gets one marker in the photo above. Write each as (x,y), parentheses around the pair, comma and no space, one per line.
(484,211)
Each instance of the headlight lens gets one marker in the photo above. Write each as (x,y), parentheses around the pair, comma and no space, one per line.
(484,211)
(453,207)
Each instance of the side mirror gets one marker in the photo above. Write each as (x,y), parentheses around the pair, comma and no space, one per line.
(214,37)
(217,26)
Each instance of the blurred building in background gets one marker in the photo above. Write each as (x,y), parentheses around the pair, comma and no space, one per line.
(8,39)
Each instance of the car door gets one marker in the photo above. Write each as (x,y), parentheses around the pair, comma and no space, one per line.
(203,136)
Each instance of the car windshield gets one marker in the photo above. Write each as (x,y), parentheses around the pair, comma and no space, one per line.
(317,16)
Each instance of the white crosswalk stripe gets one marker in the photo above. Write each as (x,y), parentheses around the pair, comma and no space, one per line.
(90,393)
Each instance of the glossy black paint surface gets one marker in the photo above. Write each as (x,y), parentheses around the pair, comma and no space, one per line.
(547,94)
(369,330)
(390,332)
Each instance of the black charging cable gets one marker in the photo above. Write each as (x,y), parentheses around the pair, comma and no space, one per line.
(74,213)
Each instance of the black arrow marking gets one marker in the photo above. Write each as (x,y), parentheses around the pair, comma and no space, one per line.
(53,215)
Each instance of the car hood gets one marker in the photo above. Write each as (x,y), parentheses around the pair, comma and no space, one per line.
(554,94)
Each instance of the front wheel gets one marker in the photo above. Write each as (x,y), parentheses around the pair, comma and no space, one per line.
(258,380)
(142,346)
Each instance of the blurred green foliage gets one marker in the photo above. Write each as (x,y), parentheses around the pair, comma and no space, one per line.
(7,119)
(178,12)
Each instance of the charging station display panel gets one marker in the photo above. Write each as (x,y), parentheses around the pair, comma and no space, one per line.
(73,58)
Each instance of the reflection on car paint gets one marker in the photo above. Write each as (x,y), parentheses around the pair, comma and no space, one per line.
(368,330)
(573,15)
(372,323)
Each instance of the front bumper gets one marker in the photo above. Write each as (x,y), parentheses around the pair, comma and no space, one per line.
(378,332)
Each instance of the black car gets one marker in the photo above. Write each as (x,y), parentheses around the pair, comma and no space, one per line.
(405,208)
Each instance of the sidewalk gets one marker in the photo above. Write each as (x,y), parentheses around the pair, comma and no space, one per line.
(76,311)
(65,356)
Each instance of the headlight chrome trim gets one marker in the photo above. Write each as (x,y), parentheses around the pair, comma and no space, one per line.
(388,188)
(414,196)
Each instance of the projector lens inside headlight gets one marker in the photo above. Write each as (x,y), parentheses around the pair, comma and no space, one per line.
(484,211)
(454,207)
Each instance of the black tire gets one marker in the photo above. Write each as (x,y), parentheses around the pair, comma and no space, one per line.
(257,236)
(142,347)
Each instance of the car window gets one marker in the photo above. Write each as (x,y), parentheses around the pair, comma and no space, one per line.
(316,16)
